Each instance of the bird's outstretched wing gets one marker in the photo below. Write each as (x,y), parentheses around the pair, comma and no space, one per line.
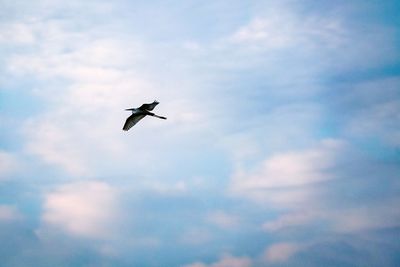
(132,120)
(149,106)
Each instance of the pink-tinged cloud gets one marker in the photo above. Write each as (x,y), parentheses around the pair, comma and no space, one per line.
(86,209)
(285,175)
(281,252)
(223,219)
(9,213)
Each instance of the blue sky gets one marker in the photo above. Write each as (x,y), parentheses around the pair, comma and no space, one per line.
(281,148)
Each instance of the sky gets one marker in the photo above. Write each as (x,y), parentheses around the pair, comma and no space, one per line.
(281,147)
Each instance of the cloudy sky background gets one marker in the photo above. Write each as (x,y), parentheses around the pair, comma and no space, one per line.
(281,148)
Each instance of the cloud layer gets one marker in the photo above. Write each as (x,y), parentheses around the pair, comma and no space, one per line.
(281,145)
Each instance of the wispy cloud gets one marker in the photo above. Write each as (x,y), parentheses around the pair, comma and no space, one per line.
(225,261)
(376,110)
(293,219)
(281,252)
(281,29)
(379,215)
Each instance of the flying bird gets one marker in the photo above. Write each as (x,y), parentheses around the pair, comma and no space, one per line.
(139,113)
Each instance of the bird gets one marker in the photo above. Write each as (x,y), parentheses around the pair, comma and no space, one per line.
(139,113)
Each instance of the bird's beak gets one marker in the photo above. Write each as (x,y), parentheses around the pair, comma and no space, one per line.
(129,109)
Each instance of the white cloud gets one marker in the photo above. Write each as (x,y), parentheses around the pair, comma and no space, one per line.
(95,61)
(88,108)
(53,145)
(86,209)
(16,33)
(86,80)
(225,261)
(281,252)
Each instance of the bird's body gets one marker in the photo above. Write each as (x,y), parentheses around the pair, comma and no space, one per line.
(139,113)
